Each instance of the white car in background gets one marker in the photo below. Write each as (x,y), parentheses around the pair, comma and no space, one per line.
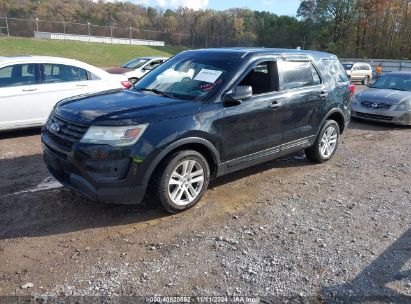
(359,71)
(30,86)
(137,67)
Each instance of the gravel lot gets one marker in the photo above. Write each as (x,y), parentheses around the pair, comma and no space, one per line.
(285,230)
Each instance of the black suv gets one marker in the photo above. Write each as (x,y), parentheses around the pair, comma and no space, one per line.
(201,114)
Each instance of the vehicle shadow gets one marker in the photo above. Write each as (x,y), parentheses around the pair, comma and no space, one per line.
(20,133)
(374,281)
(31,212)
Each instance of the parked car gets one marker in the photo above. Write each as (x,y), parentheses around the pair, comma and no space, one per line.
(359,71)
(138,67)
(387,100)
(30,86)
(167,138)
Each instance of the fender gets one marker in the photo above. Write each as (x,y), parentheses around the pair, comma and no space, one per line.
(332,111)
(177,144)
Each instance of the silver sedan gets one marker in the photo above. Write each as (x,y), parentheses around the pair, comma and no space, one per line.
(387,100)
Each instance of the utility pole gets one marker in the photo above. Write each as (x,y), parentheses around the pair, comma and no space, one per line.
(111,33)
(37,26)
(130,34)
(7,26)
(89,33)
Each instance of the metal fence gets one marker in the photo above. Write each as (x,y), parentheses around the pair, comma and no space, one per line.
(29,27)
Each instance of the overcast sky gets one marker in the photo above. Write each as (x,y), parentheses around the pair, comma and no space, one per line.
(279,7)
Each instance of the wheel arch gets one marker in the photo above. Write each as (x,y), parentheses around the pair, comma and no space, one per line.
(337,115)
(201,145)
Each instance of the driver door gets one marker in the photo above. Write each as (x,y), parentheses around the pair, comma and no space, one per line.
(252,129)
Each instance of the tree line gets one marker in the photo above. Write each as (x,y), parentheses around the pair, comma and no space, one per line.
(348,28)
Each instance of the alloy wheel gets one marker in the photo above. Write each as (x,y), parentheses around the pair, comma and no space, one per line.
(186,182)
(328,142)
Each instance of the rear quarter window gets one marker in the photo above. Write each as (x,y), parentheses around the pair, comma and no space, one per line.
(298,74)
(336,70)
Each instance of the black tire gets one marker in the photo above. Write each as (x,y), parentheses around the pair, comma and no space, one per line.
(366,80)
(313,153)
(163,176)
(133,80)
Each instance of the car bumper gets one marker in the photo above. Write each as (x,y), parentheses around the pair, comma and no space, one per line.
(387,116)
(93,178)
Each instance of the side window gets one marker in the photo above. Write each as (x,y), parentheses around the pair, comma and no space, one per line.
(263,78)
(336,70)
(299,74)
(18,75)
(57,73)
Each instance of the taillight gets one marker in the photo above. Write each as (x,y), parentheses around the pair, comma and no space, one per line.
(352,89)
(126,84)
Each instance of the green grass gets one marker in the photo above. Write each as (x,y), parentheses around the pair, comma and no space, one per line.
(98,54)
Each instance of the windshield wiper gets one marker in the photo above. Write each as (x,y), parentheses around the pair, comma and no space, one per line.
(397,89)
(155,91)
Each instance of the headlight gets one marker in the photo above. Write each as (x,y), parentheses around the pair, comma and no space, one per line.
(113,136)
(404,106)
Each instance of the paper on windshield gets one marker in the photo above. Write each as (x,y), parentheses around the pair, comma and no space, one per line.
(208,75)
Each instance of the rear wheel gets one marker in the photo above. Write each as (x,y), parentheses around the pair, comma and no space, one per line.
(182,180)
(366,80)
(133,80)
(326,143)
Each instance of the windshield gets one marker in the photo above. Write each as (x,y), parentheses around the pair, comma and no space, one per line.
(393,82)
(190,78)
(347,66)
(135,63)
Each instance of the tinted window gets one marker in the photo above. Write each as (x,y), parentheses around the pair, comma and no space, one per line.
(298,74)
(18,75)
(364,68)
(336,70)
(393,82)
(347,66)
(135,63)
(263,78)
(55,73)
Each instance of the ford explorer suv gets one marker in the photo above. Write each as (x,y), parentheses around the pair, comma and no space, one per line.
(223,110)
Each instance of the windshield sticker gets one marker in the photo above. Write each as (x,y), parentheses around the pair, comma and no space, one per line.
(208,75)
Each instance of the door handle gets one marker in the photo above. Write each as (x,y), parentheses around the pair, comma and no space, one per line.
(275,105)
(29,89)
(81,85)
(323,95)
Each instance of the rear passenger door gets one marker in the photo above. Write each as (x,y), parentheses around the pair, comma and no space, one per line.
(59,81)
(304,94)
(18,108)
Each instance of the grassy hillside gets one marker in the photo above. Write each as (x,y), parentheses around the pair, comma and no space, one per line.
(102,55)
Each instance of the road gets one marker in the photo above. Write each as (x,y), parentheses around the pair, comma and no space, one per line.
(287,228)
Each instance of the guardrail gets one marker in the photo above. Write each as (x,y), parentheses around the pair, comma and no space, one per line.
(99,39)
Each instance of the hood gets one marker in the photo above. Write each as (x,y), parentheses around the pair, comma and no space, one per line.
(384,95)
(123,107)
(118,70)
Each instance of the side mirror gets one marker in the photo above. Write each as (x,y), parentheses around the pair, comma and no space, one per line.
(242,93)
(147,68)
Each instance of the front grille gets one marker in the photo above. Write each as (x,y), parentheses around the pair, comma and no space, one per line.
(375,105)
(66,134)
(372,116)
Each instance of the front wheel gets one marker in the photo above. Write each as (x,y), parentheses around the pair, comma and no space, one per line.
(182,180)
(326,143)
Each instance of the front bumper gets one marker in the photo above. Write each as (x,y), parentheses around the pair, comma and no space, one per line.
(110,181)
(387,116)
